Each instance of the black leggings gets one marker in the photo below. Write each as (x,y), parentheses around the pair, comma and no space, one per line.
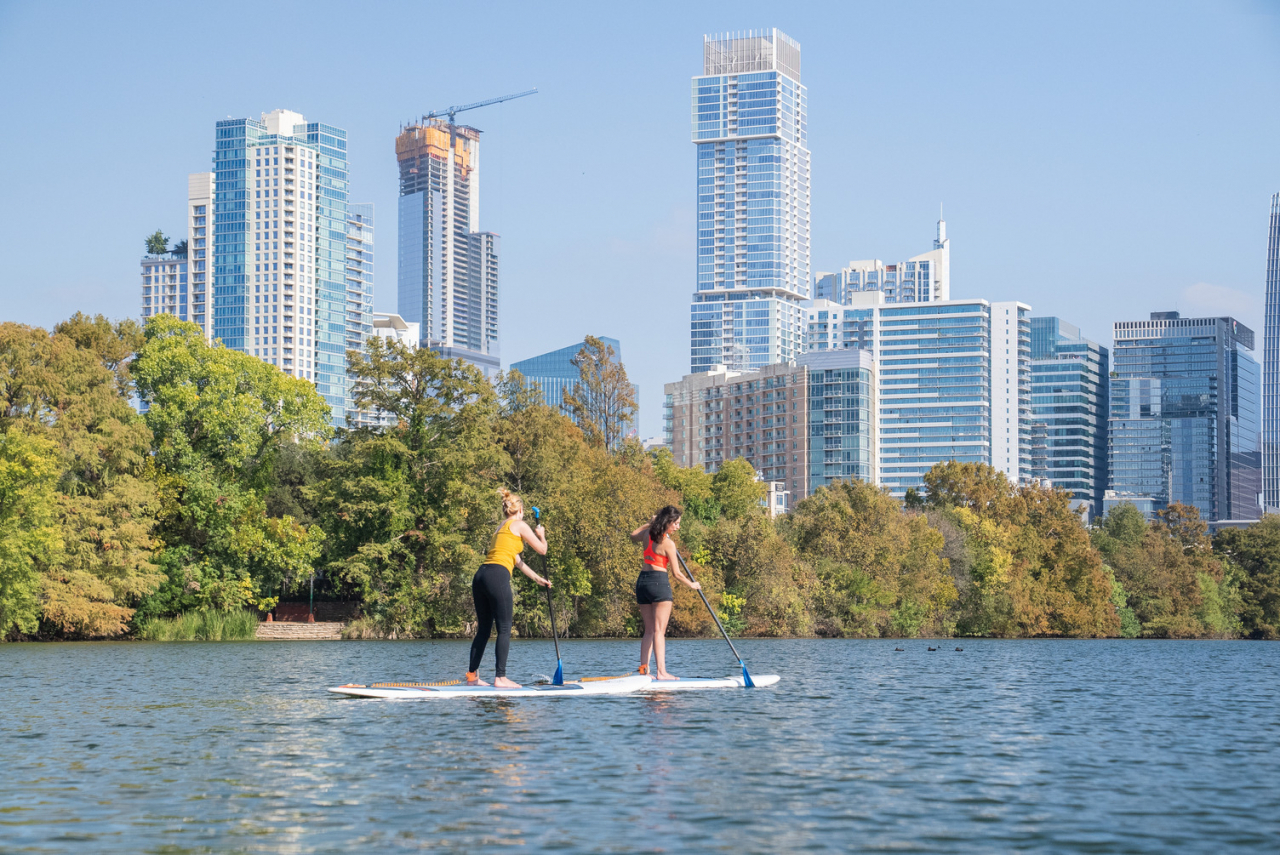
(491,590)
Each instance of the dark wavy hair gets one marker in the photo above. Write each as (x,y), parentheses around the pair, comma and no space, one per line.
(662,521)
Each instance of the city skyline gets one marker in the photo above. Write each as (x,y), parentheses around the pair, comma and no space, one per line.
(1046,205)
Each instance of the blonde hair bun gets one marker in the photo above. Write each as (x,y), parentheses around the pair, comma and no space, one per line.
(511,503)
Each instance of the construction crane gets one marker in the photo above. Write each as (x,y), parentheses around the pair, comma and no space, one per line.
(451,111)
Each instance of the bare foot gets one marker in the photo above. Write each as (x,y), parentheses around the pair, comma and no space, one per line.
(475,681)
(504,683)
(664,675)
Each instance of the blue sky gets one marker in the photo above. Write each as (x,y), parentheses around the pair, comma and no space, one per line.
(1096,160)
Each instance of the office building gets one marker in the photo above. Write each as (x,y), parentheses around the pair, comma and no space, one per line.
(177,282)
(1271,374)
(925,278)
(749,114)
(841,417)
(359,275)
(954,383)
(279,253)
(555,372)
(448,268)
(1069,393)
(1140,446)
(1207,420)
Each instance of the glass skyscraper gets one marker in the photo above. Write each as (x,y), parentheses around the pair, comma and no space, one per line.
(555,372)
(749,125)
(1069,388)
(842,406)
(1206,416)
(954,384)
(279,247)
(1271,362)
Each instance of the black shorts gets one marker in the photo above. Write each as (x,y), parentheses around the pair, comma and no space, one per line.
(653,586)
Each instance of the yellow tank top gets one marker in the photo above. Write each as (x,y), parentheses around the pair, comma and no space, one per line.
(506,546)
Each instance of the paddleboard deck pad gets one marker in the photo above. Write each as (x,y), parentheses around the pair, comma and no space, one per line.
(577,688)
(685,684)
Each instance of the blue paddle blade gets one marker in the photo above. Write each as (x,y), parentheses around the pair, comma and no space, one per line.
(558,679)
(746,678)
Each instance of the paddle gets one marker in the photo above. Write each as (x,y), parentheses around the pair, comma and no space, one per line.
(558,679)
(746,677)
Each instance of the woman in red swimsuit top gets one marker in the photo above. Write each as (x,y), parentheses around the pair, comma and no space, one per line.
(653,588)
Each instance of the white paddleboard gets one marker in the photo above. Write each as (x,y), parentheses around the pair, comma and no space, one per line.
(685,684)
(425,691)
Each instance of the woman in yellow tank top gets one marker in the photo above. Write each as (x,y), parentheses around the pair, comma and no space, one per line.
(491,587)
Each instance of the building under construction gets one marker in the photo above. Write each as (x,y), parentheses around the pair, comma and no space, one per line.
(448,268)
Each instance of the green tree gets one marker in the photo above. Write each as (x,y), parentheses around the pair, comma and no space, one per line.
(603,401)
(737,490)
(1256,551)
(157,243)
(220,419)
(410,508)
(694,484)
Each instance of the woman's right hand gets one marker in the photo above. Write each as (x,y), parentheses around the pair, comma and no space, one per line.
(540,532)
(697,586)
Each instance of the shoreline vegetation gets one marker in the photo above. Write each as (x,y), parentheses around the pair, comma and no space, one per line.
(232,492)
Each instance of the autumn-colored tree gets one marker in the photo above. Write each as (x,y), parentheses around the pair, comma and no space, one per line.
(602,401)
(880,570)
(71,389)
(1172,581)
(28,535)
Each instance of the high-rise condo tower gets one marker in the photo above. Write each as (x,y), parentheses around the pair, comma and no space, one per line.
(1271,369)
(750,129)
(448,268)
(279,247)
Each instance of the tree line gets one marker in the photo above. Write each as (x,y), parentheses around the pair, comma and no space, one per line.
(230,491)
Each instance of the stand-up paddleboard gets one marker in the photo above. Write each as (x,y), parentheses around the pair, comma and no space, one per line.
(427,691)
(685,684)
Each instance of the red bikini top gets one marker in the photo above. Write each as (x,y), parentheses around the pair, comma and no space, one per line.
(651,557)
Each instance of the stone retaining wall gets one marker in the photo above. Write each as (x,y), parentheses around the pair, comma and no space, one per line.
(318,631)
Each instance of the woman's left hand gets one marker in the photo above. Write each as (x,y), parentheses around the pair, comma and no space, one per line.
(697,586)
(546,583)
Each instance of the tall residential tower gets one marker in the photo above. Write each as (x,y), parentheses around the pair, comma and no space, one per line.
(750,129)
(1271,366)
(448,268)
(279,247)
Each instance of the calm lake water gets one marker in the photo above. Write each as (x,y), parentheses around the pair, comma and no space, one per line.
(1053,746)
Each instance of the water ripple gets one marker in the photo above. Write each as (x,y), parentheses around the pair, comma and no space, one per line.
(1037,745)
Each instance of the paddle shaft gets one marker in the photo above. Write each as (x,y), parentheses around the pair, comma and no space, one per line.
(537,516)
(714,616)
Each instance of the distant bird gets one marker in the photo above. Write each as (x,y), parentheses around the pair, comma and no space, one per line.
(932,649)
(897,650)
(959,649)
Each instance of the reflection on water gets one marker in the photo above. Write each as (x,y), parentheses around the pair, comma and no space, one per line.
(1040,745)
